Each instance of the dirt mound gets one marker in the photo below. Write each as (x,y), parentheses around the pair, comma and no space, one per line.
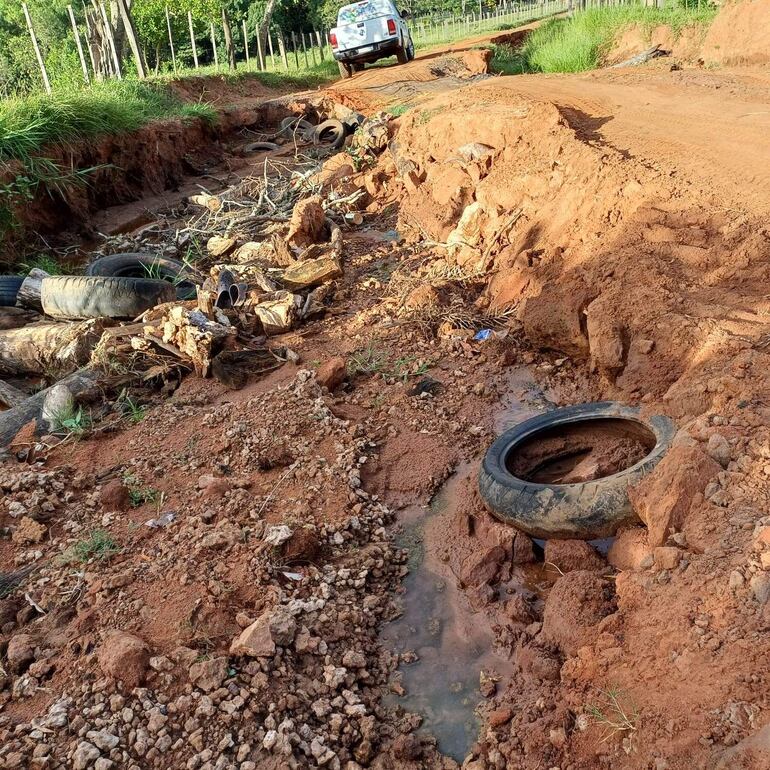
(740,34)
(633,40)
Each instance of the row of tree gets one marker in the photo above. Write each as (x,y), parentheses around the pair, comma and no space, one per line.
(151,19)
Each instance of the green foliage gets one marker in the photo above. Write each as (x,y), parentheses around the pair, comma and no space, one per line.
(98,545)
(73,422)
(582,42)
(51,264)
(138,493)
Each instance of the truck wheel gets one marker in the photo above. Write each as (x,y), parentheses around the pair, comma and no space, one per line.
(402,55)
(346,71)
(358,66)
(410,51)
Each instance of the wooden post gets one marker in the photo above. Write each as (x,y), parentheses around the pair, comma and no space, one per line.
(282,47)
(170,39)
(272,53)
(214,46)
(304,50)
(192,38)
(320,44)
(260,55)
(133,41)
(81,55)
(39,55)
(88,43)
(294,46)
(246,41)
(312,49)
(111,41)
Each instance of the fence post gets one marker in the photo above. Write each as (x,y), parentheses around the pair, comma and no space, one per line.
(133,42)
(272,52)
(81,55)
(170,40)
(312,49)
(260,55)
(304,50)
(214,46)
(294,46)
(192,38)
(35,45)
(245,41)
(320,45)
(282,48)
(111,42)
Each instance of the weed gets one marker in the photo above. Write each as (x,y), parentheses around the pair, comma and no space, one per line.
(72,421)
(398,109)
(611,714)
(98,545)
(51,264)
(373,361)
(138,493)
(130,408)
(367,361)
(404,368)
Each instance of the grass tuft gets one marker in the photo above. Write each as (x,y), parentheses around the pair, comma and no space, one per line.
(583,42)
(98,545)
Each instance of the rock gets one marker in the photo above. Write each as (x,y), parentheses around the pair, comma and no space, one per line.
(760,587)
(331,374)
(279,314)
(282,626)
(219,247)
(353,659)
(423,297)
(124,657)
(256,640)
(28,531)
(748,754)
(482,566)
(311,272)
(557,737)
(629,549)
(277,535)
(20,653)
(85,754)
(103,739)
(605,339)
(662,500)
(666,557)
(209,674)
(573,609)
(58,401)
(114,496)
(308,223)
(499,717)
(569,555)
(407,748)
(487,684)
(736,580)
(719,449)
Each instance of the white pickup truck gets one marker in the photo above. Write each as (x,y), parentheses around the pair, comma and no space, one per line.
(368,31)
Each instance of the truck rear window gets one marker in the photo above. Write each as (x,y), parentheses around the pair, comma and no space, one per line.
(369,9)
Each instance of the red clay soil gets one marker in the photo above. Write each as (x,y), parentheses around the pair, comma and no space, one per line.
(619,220)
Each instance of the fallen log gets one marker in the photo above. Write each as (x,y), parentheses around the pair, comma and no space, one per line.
(16,317)
(13,420)
(46,348)
(10,396)
(641,58)
(30,290)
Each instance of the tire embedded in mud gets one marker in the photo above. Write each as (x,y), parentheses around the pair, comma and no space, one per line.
(145,266)
(588,510)
(86,296)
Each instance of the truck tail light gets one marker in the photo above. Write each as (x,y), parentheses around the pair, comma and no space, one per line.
(333,40)
(391,26)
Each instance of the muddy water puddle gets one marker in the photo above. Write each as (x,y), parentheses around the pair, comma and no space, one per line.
(452,643)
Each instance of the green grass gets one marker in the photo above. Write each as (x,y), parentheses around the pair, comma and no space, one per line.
(47,262)
(73,422)
(582,42)
(98,545)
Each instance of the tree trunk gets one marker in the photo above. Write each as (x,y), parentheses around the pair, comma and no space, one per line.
(30,289)
(264,25)
(228,39)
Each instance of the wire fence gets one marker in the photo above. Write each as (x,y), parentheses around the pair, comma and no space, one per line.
(98,52)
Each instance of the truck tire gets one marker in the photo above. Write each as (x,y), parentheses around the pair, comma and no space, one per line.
(410,50)
(9,288)
(402,55)
(346,71)
(86,296)
(583,511)
(142,266)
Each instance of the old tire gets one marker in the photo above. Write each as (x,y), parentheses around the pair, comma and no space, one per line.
(585,511)
(346,71)
(9,289)
(330,132)
(142,266)
(81,296)
(402,55)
